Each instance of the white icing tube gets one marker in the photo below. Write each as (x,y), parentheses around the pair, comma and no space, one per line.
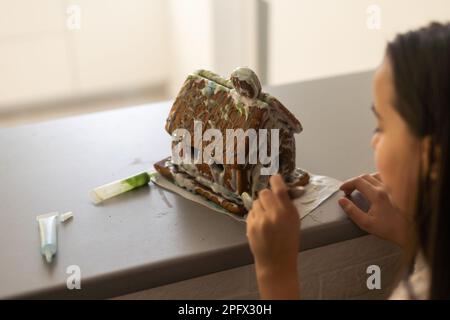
(48,233)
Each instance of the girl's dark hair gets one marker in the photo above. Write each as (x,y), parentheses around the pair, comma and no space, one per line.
(420,62)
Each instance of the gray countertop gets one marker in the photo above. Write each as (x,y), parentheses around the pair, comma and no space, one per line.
(150,237)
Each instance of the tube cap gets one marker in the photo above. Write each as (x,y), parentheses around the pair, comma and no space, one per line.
(48,256)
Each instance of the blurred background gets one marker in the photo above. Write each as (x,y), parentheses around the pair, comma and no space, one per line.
(61,57)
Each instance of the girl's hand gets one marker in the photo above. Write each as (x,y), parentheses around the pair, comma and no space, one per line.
(273,227)
(383,219)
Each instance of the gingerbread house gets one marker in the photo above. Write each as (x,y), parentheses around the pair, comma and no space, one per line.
(235,103)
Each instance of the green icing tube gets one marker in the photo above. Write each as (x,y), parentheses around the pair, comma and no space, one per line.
(118,187)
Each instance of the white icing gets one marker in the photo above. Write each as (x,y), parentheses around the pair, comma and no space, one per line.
(217,188)
(248,76)
(247,200)
(233,179)
(184,181)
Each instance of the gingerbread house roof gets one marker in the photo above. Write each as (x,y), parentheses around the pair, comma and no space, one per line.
(235,103)
(212,99)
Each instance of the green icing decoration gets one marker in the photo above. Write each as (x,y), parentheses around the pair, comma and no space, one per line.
(214,77)
(137,180)
(240,108)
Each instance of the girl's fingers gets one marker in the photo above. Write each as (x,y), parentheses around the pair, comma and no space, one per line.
(267,199)
(250,214)
(348,186)
(249,221)
(362,219)
(376,175)
(363,186)
(257,208)
(372,180)
(280,190)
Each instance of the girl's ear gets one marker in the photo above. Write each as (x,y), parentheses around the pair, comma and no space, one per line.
(430,162)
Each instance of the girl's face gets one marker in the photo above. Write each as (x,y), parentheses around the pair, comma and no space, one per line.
(397,151)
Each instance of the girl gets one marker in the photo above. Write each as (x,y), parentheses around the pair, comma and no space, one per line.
(408,195)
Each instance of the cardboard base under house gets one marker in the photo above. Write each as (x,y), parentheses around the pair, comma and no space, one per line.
(318,190)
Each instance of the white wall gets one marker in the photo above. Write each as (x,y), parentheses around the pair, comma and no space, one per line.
(219,35)
(128,44)
(307,39)
(235,37)
(190,39)
(319,38)
(122,44)
(33,62)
